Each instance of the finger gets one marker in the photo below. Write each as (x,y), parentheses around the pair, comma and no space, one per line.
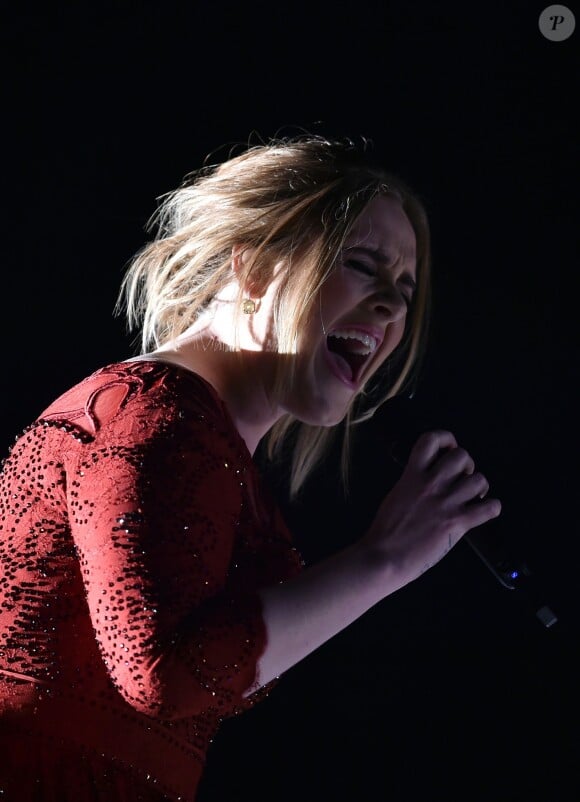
(428,446)
(468,488)
(481,512)
(454,463)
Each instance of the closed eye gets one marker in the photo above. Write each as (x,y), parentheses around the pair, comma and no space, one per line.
(362,267)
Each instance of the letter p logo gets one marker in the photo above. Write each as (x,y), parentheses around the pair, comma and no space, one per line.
(557,23)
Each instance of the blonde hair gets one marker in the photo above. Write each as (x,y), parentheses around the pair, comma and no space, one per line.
(291,200)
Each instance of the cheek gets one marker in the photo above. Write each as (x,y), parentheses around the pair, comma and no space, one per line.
(393,338)
(337,292)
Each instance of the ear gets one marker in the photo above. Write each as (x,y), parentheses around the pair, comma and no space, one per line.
(241,254)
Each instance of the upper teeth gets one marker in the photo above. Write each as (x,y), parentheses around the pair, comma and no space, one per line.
(366,339)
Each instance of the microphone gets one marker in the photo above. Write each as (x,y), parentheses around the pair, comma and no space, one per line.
(491,547)
(512,573)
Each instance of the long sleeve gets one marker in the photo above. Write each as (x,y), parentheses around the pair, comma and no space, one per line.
(136,534)
(155,501)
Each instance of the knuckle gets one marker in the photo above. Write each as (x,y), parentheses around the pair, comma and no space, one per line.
(435,435)
(430,483)
(426,439)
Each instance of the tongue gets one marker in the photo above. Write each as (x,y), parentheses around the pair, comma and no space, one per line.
(342,365)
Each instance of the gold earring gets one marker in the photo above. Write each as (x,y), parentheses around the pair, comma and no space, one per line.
(249,306)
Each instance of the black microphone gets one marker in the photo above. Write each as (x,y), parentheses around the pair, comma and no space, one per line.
(490,545)
(512,573)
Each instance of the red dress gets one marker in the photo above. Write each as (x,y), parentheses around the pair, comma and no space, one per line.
(134,532)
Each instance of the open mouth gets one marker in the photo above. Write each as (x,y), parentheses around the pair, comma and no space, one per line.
(349,362)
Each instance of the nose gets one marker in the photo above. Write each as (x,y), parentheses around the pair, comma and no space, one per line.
(390,304)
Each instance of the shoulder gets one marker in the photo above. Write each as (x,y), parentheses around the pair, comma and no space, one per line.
(151,391)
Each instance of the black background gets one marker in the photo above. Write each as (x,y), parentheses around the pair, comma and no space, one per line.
(452,688)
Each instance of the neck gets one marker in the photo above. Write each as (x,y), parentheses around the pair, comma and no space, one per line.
(243,381)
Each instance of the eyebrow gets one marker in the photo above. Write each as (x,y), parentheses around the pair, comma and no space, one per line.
(381,256)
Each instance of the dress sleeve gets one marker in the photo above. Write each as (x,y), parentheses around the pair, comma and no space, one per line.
(155,502)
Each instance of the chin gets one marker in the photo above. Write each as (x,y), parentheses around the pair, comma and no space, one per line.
(323,414)
(315,405)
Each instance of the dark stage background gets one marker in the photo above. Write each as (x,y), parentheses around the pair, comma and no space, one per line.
(451,689)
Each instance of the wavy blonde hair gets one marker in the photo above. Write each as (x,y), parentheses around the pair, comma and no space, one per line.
(292,200)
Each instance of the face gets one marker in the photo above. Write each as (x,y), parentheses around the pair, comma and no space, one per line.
(369,290)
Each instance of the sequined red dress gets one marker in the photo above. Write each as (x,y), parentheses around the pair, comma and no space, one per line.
(134,533)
